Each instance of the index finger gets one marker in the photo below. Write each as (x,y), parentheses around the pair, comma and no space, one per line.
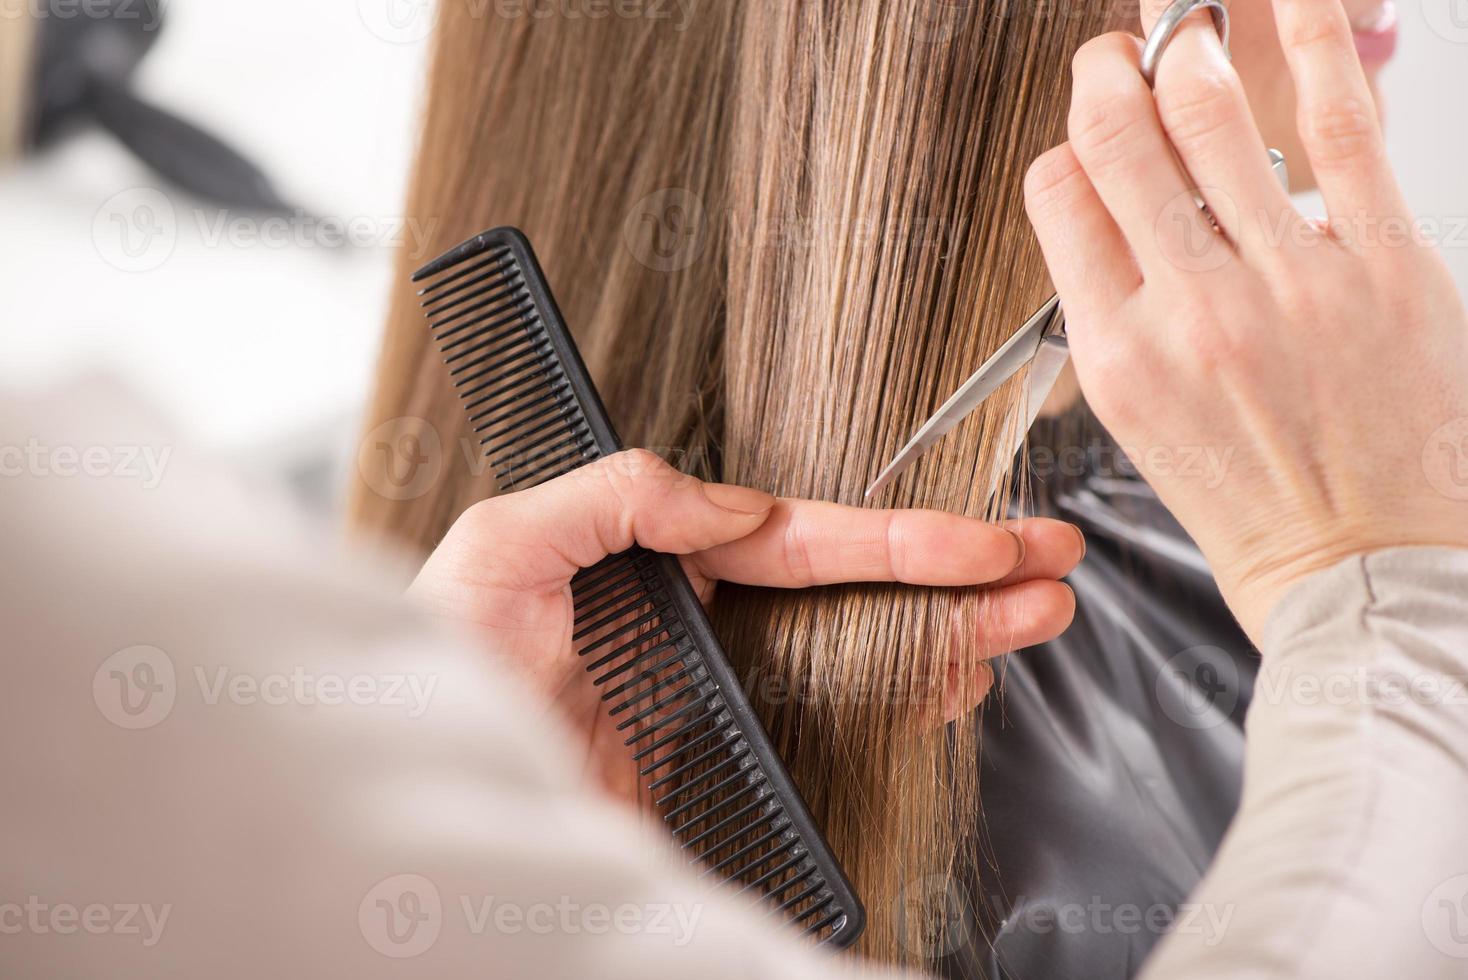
(808,543)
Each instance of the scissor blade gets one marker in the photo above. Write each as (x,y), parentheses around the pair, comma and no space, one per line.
(1018,351)
(1045,371)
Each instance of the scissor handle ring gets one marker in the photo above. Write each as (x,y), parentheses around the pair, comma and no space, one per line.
(1167,26)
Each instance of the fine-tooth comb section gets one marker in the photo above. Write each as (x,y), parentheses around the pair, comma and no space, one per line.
(704,756)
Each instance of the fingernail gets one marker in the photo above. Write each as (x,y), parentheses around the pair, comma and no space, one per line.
(738,500)
(1082,535)
(1021,542)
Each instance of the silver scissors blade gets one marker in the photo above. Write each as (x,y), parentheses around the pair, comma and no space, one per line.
(1018,351)
(1045,370)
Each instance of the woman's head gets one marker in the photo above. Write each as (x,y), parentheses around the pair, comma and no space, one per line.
(782,232)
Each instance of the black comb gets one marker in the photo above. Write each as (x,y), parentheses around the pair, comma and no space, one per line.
(708,761)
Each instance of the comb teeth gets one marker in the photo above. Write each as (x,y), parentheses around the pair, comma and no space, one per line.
(639,628)
(501,361)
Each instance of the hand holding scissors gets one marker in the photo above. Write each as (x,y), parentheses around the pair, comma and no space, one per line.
(1041,344)
(1326,362)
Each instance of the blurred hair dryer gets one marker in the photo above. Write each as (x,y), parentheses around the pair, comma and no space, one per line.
(82,73)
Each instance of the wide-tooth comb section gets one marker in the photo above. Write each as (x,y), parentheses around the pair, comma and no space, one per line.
(669,691)
(502,362)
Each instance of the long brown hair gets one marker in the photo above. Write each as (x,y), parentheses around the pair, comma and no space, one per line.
(783,232)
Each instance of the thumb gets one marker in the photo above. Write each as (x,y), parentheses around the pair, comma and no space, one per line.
(545,535)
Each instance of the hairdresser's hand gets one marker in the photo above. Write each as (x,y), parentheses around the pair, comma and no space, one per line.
(506,568)
(1325,368)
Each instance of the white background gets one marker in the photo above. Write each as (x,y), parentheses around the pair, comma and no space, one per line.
(262,351)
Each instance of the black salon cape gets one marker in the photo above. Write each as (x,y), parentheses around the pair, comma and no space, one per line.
(1111,760)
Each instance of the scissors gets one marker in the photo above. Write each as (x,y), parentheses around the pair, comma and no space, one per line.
(1041,343)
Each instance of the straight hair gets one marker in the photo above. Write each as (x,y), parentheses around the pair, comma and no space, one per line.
(782,232)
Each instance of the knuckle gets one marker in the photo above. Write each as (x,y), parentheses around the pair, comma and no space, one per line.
(894,542)
(1197,109)
(636,481)
(1213,347)
(1111,101)
(1297,304)
(795,551)
(1052,182)
(1101,49)
(1324,29)
(1339,132)
(635,475)
(1109,131)
(1153,9)
(640,461)
(646,468)
(485,515)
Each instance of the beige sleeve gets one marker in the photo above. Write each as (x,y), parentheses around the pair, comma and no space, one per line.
(227,756)
(1349,856)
